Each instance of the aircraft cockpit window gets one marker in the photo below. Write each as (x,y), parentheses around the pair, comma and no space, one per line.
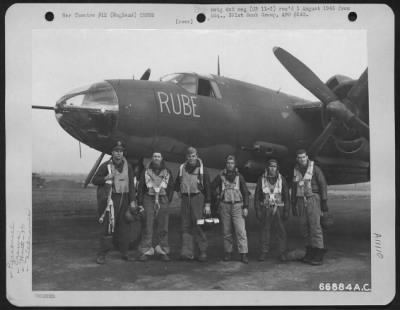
(75,97)
(172,78)
(186,81)
(189,82)
(216,89)
(208,88)
(101,95)
(96,96)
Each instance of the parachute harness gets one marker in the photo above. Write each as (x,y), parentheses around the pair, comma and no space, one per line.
(156,200)
(109,208)
(151,184)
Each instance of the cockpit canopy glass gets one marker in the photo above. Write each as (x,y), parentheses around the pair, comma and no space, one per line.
(186,81)
(96,96)
(194,85)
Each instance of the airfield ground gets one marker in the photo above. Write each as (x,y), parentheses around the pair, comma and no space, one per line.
(65,241)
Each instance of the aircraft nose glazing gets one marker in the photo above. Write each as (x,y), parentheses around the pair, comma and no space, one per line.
(88,113)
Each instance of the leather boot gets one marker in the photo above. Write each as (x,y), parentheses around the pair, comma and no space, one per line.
(310,252)
(127,257)
(227,256)
(243,258)
(143,258)
(186,257)
(318,258)
(203,257)
(165,258)
(101,255)
(283,257)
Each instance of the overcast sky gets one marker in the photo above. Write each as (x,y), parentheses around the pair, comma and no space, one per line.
(63,60)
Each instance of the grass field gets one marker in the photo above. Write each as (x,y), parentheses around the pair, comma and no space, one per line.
(66,232)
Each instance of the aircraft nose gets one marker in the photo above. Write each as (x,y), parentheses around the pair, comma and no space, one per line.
(88,113)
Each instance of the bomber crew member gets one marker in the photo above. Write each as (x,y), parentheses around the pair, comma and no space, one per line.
(116,198)
(233,207)
(272,205)
(309,201)
(155,191)
(193,184)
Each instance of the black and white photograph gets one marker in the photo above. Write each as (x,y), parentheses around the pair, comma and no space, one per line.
(199,160)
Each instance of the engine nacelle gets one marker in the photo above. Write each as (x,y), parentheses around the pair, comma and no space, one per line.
(358,148)
(340,85)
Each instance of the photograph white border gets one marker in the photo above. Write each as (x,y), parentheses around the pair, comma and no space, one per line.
(376,19)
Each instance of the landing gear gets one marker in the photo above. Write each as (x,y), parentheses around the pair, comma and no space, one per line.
(137,166)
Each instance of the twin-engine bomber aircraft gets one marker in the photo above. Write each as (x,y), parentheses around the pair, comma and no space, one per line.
(221,116)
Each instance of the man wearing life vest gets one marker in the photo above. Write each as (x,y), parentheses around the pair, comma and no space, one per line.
(155,192)
(193,185)
(116,198)
(272,203)
(309,201)
(233,207)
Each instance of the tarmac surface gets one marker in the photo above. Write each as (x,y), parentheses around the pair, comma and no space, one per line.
(65,242)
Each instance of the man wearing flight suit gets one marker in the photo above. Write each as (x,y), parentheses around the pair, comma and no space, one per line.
(309,201)
(155,191)
(116,199)
(233,207)
(272,205)
(193,185)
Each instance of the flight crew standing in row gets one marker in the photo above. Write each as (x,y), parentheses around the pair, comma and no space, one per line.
(193,185)
(272,205)
(116,198)
(155,191)
(309,201)
(233,197)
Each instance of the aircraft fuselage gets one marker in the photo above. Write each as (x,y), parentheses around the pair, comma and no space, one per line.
(222,116)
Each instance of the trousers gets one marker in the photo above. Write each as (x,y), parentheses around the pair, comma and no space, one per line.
(232,213)
(269,223)
(155,224)
(192,234)
(123,231)
(310,220)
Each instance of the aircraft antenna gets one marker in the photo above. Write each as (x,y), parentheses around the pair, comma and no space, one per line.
(218,69)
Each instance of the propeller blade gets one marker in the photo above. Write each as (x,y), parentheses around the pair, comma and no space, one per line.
(346,110)
(362,127)
(146,75)
(42,107)
(93,170)
(317,145)
(304,76)
(359,89)
(80,150)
